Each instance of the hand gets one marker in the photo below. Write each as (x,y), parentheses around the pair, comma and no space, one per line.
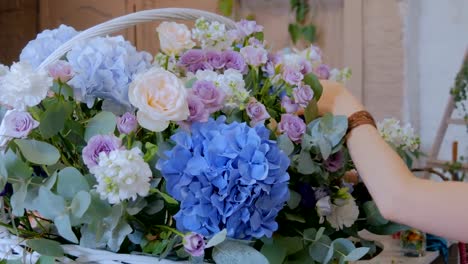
(336,99)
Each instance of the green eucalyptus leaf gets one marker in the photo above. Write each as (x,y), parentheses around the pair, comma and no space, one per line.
(50,182)
(321,250)
(305,164)
(309,33)
(102,124)
(309,234)
(314,83)
(38,152)
(342,247)
(292,245)
(285,144)
(14,166)
(166,197)
(319,233)
(294,199)
(373,215)
(134,207)
(234,252)
(49,204)
(80,203)
(357,254)
(53,119)
(217,239)
(46,247)
(46,260)
(154,207)
(17,200)
(274,253)
(70,181)
(62,222)
(118,235)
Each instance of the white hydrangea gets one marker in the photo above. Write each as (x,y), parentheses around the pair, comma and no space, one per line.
(23,86)
(211,34)
(340,75)
(401,137)
(121,175)
(343,214)
(233,84)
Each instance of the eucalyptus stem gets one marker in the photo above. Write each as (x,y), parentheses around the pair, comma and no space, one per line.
(170,229)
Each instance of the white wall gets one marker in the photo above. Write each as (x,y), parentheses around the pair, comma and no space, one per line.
(436,40)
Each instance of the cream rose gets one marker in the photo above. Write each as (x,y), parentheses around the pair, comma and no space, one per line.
(174,37)
(160,98)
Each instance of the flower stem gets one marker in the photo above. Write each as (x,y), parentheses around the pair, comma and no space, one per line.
(173,230)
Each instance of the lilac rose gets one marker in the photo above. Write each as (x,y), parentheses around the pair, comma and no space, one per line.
(303,95)
(194,60)
(99,144)
(198,112)
(289,105)
(248,27)
(17,124)
(234,60)
(335,162)
(127,123)
(61,70)
(292,76)
(254,55)
(306,66)
(257,113)
(215,59)
(293,126)
(194,244)
(209,94)
(322,72)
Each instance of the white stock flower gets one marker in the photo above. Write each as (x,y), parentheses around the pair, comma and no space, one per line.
(211,34)
(402,137)
(24,86)
(174,37)
(207,75)
(160,97)
(343,215)
(121,175)
(233,84)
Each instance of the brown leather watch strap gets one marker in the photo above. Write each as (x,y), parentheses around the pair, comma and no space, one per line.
(360,118)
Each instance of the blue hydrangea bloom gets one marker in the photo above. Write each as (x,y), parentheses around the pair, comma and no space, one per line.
(37,50)
(226,176)
(104,68)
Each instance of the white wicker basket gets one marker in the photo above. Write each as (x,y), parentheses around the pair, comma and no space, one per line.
(12,247)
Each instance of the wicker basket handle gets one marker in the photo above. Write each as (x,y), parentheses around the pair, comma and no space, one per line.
(126,21)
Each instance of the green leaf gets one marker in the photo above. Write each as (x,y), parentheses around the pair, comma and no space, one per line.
(373,215)
(305,164)
(118,235)
(285,144)
(151,151)
(53,119)
(38,152)
(319,233)
(294,32)
(292,245)
(295,218)
(190,83)
(357,254)
(294,199)
(134,207)
(225,6)
(259,35)
(50,182)
(49,204)
(154,207)
(14,166)
(166,197)
(20,190)
(45,260)
(314,83)
(217,239)
(46,247)
(102,124)
(64,229)
(311,112)
(234,252)
(309,33)
(80,203)
(309,234)
(70,181)
(321,250)
(389,229)
(274,253)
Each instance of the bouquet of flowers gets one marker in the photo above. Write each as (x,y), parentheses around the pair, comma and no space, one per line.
(211,151)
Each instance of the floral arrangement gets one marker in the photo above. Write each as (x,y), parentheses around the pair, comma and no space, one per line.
(213,151)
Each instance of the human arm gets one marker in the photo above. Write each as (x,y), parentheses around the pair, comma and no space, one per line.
(434,207)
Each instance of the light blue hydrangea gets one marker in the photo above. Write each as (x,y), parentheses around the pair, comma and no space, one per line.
(226,176)
(37,50)
(104,68)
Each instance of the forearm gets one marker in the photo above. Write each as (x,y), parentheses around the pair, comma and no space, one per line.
(438,208)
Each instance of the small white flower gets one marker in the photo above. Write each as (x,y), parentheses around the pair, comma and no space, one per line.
(340,75)
(211,34)
(24,86)
(343,215)
(207,75)
(121,175)
(402,137)
(233,84)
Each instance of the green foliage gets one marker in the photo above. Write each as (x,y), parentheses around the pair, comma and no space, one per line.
(460,88)
(103,123)
(301,29)
(38,152)
(54,117)
(217,239)
(46,247)
(226,7)
(237,253)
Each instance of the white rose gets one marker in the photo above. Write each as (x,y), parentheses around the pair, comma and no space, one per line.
(160,98)
(343,215)
(174,37)
(24,86)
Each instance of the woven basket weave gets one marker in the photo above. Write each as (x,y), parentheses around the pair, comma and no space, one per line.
(12,247)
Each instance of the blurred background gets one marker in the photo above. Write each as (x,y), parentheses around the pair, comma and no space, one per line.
(404,54)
